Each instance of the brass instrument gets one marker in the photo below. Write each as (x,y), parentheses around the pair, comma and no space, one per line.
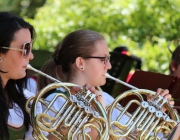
(147,122)
(71,121)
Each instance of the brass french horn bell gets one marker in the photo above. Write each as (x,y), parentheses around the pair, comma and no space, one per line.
(147,122)
(74,117)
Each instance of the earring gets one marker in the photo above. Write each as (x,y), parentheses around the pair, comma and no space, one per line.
(0,59)
(82,68)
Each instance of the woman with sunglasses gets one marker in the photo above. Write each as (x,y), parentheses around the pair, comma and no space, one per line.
(82,58)
(16,37)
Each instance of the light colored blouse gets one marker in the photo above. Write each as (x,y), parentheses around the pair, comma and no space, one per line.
(16,117)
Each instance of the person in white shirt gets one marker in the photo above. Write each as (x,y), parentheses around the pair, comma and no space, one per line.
(32,85)
(16,38)
(82,58)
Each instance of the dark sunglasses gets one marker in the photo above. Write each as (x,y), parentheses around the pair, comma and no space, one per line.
(25,50)
(105,59)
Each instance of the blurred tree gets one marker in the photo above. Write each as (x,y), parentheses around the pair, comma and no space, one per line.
(154,18)
(135,19)
(21,7)
(145,27)
(57,18)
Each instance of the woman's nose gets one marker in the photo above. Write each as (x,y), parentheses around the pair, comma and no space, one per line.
(31,56)
(109,65)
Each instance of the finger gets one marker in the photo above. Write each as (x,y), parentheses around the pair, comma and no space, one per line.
(148,97)
(165,92)
(92,89)
(86,86)
(159,90)
(89,87)
(171,103)
(75,88)
(99,97)
(167,97)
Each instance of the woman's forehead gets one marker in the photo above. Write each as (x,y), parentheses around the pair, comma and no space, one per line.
(101,47)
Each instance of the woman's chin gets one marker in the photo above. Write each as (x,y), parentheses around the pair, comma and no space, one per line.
(21,76)
(102,83)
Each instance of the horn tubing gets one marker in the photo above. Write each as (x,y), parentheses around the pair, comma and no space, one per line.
(81,118)
(132,87)
(29,67)
(119,81)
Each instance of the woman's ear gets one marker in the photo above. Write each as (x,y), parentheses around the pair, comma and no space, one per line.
(80,63)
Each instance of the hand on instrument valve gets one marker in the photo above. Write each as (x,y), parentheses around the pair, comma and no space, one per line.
(99,95)
(93,132)
(165,94)
(92,89)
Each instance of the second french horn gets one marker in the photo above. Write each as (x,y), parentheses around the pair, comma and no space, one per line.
(147,122)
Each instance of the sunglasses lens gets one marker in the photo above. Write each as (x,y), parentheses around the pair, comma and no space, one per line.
(27,48)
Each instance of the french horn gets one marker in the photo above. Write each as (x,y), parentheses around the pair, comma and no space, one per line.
(148,122)
(75,117)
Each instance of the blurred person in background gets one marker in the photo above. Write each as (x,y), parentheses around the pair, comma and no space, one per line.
(174,65)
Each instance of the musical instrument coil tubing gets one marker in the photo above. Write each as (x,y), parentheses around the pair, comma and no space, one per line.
(78,114)
(148,121)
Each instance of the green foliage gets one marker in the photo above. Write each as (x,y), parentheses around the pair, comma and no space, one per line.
(57,18)
(155,57)
(145,27)
(21,7)
(154,18)
(10,5)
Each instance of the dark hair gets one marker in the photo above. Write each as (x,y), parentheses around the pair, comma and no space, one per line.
(79,43)
(13,91)
(175,58)
(120,49)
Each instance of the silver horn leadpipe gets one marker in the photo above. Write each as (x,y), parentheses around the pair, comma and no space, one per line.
(29,67)
(132,87)
(119,81)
